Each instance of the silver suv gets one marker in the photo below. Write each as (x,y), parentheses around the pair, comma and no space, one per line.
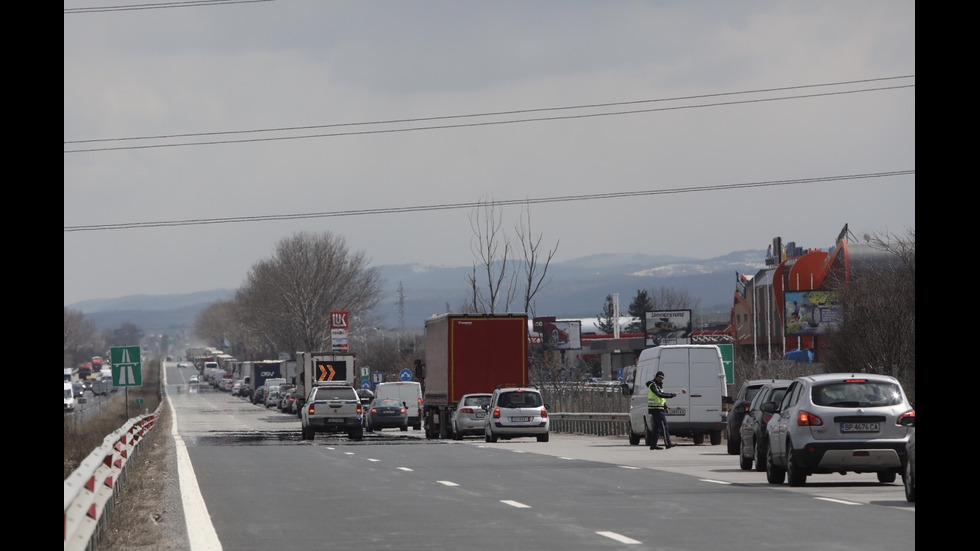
(332,407)
(514,412)
(838,423)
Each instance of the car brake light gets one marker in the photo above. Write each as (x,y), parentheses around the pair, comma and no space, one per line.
(466,410)
(544,412)
(909,413)
(360,408)
(496,413)
(405,411)
(806,419)
(374,410)
(310,409)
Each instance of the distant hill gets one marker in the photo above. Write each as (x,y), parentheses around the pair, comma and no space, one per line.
(576,289)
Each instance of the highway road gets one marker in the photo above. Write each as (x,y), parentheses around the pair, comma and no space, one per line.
(251,483)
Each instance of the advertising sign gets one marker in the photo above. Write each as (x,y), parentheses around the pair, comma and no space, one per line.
(668,327)
(559,335)
(339,331)
(811,313)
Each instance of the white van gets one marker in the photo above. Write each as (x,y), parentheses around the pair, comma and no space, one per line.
(69,397)
(406,392)
(696,369)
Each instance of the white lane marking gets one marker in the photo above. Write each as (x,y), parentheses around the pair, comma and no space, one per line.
(348,453)
(837,501)
(714,481)
(404,469)
(447,483)
(619,537)
(567,458)
(628,467)
(370,459)
(517,504)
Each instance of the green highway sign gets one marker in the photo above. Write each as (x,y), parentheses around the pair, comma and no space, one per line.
(727,361)
(126,366)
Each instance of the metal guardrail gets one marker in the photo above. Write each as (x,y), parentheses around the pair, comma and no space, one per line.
(596,424)
(89,489)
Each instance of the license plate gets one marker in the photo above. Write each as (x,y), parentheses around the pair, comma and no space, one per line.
(335,420)
(520,419)
(859,427)
(481,415)
(677,411)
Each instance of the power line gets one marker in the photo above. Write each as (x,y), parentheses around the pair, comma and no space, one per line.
(158,5)
(452,206)
(476,124)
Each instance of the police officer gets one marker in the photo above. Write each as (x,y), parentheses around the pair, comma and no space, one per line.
(657,406)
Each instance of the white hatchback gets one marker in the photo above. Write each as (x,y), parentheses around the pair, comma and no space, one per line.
(515,412)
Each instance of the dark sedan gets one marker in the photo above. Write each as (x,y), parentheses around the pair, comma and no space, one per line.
(385,413)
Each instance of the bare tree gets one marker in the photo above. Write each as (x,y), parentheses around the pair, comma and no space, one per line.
(876,333)
(535,268)
(491,248)
(286,301)
(81,337)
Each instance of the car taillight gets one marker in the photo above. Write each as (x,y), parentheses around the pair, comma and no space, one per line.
(310,409)
(360,408)
(404,411)
(374,411)
(909,413)
(466,410)
(745,408)
(806,419)
(496,413)
(544,412)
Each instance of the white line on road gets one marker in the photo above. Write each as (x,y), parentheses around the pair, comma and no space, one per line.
(447,483)
(837,501)
(714,481)
(517,504)
(619,537)
(404,469)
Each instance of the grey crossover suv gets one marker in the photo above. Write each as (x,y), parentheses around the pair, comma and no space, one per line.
(838,423)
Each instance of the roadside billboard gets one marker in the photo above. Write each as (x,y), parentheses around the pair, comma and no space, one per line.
(668,327)
(811,313)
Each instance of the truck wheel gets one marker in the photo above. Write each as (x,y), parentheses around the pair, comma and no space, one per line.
(307,434)
(356,434)
(716,439)
(648,437)
(886,477)
(698,438)
(457,435)
(403,428)
(543,437)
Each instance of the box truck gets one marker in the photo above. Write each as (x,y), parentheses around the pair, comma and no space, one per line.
(468,354)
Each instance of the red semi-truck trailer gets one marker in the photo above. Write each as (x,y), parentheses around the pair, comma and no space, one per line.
(466,354)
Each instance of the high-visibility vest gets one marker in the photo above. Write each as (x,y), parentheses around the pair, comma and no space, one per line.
(654,401)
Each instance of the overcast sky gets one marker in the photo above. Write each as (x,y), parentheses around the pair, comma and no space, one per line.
(661,120)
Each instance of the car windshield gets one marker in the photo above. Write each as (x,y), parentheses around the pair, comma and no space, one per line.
(388,403)
(861,393)
(519,400)
(476,401)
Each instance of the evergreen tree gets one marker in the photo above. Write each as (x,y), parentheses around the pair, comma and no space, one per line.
(638,309)
(605,318)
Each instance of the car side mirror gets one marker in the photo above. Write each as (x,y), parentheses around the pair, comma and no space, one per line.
(727,400)
(627,389)
(768,407)
(547,407)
